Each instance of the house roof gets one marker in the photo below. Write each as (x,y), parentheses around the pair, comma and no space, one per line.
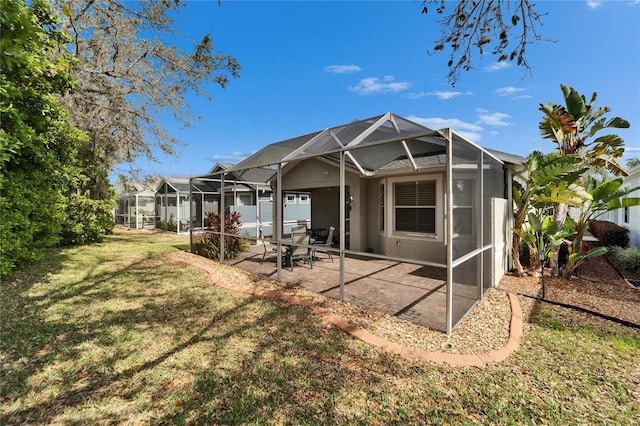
(182,185)
(381,143)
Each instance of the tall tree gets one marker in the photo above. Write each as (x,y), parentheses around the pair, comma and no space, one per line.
(573,128)
(133,69)
(502,28)
(37,147)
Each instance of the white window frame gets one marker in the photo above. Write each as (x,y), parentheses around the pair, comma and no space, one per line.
(304,198)
(391,208)
(290,199)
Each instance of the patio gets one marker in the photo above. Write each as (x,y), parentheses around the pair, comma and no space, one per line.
(411,292)
(421,216)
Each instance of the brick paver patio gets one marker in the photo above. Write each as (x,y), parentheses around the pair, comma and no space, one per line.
(411,292)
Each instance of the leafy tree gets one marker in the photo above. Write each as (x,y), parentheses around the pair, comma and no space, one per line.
(36,145)
(41,170)
(130,75)
(571,127)
(485,26)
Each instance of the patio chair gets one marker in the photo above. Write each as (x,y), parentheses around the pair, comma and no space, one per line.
(326,245)
(302,222)
(264,245)
(299,249)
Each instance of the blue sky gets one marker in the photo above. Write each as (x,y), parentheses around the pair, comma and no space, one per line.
(307,66)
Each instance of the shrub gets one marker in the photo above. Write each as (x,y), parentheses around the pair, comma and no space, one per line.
(171,225)
(87,221)
(233,243)
(609,233)
(626,258)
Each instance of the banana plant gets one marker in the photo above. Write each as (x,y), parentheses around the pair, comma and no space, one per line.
(604,196)
(541,171)
(573,127)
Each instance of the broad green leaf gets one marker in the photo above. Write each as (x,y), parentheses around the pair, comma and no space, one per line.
(576,104)
(534,222)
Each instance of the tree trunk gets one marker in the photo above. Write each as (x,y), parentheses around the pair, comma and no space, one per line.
(515,251)
(559,216)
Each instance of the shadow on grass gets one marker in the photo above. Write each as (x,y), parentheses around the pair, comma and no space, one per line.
(47,332)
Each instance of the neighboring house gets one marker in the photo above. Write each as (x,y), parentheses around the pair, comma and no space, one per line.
(173,208)
(628,217)
(249,193)
(383,183)
(136,208)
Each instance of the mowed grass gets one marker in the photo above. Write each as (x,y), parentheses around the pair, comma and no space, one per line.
(117,333)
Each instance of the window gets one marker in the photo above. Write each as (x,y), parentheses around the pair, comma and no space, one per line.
(382,215)
(245,199)
(463,206)
(304,199)
(415,206)
(291,199)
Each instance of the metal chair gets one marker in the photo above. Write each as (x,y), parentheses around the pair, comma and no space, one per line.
(299,249)
(264,245)
(303,222)
(326,245)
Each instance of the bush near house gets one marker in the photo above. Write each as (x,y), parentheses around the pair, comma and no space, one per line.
(233,243)
(626,258)
(609,233)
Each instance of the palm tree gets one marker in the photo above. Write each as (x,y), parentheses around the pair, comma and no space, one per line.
(572,127)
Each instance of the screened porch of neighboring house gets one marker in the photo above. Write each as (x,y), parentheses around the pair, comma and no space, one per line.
(248,192)
(181,207)
(136,209)
(384,185)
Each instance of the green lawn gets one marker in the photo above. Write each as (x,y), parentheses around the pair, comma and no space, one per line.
(116,333)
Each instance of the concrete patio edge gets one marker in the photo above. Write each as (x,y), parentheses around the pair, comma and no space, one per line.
(456,360)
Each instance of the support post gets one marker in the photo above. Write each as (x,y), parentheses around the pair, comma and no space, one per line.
(221,217)
(449,232)
(343,222)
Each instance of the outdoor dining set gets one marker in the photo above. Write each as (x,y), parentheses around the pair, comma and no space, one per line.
(304,244)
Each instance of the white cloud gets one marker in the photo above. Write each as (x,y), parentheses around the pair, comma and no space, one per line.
(440,94)
(492,119)
(470,131)
(509,90)
(232,157)
(342,69)
(594,4)
(497,66)
(373,85)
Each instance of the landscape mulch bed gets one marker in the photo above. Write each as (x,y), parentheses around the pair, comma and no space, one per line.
(599,288)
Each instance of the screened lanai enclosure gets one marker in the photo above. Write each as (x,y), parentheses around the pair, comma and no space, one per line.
(136,209)
(248,192)
(181,206)
(394,191)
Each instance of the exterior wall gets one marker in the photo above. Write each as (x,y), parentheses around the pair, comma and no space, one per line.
(634,212)
(323,181)
(386,243)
